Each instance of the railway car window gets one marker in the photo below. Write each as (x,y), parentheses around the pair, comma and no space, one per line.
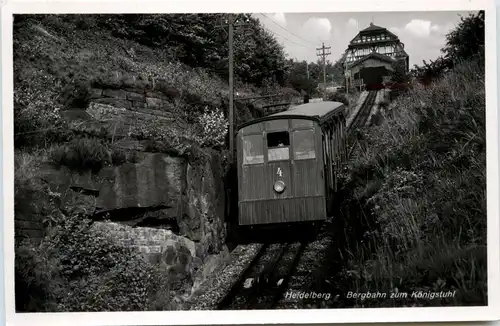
(255,128)
(296,123)
(277,124)
(278,145)
(253,152)
(303,141)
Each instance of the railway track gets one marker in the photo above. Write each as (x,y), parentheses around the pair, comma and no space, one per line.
(263,283)
(364,112)
(359,121)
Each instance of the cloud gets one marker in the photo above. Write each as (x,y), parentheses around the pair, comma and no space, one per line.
(352,23)
(424,28)
(317,29)
(442,29)
(419,28)
(423,40)
(395,30)
(279,18)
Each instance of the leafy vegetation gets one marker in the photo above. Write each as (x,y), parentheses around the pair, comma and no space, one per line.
(416,218)
(81,268)
(465,42)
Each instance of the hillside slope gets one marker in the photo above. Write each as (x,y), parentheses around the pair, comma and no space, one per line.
(119,169)
(58,62)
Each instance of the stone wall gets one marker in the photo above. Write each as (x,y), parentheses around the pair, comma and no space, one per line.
(134,98)
(178,254)
(31,209)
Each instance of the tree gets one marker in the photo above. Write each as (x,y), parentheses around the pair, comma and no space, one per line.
(194,40)
(467,39)
(398,74)
(462,43)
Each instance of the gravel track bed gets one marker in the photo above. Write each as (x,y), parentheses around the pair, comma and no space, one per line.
(212,291)
(243,298)
(267,300)
(306,274)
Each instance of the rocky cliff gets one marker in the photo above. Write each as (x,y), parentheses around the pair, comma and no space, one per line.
(168,207)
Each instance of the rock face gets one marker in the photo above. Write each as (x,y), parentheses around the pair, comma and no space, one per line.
(178,254)
(168,209)
(155,181)
(163,206)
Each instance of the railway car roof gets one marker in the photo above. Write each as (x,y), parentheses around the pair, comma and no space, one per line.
(320,111)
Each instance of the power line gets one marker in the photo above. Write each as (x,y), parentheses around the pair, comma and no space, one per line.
(276,34)
(285,29)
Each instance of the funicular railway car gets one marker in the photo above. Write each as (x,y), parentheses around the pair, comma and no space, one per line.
(288,165)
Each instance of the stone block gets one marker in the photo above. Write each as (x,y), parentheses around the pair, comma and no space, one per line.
(118,103)
(155,249)
(154,103)
(150,183)
(135,97)
(115,93)
(157,95)
(95,93)
(154,258)
(138,105)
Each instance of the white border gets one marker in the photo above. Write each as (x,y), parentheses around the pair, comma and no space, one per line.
(267,316)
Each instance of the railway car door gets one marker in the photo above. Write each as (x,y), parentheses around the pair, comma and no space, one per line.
(306,159)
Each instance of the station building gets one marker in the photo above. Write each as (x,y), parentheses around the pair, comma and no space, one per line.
(369,58)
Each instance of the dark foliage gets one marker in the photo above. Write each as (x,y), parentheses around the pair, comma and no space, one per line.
(464,42)
(195,40)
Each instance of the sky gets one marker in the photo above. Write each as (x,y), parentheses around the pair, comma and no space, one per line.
(423,33)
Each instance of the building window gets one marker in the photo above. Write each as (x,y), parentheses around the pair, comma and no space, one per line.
(303,142)
(253,151)
(278,146)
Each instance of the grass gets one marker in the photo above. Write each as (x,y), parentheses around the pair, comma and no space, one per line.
(418,208)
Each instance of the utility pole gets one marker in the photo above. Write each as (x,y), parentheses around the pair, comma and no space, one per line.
(231,24)
(231,89)
(307,68)
(323,54)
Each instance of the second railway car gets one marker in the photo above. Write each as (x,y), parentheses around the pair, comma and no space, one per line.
(288,164)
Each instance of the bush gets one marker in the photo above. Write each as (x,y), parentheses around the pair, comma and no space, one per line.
(337,97)
(37,283)
(37,120)
(81,154)
(81,268)
(214,128)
